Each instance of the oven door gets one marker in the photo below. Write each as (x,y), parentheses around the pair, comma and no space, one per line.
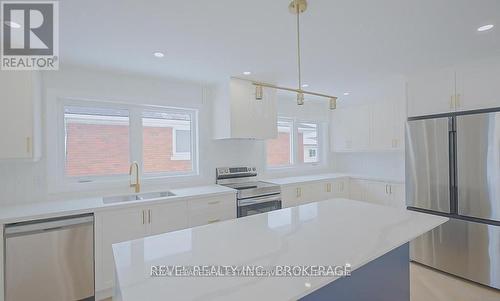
(258,205)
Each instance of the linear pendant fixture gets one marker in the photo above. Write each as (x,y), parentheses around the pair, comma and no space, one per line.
(296,7)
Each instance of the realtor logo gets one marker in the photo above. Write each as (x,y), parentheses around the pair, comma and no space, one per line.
(30,35)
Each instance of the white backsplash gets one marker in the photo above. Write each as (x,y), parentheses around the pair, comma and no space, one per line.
(383,164)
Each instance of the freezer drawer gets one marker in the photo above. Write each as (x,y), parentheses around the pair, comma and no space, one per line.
(478,165)
(51,260)
(466,249)
(427,164)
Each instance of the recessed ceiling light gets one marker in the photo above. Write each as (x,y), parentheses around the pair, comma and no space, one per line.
(247,72)
(346,93)
(305,85)
(485,27)
(12,24)
(158,54)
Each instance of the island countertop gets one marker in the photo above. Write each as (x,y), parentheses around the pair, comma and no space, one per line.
(333,232)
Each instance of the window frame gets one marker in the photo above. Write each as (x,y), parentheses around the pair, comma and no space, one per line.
(295,146)
(57,173)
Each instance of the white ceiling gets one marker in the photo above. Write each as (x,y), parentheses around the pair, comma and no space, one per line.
(345,42)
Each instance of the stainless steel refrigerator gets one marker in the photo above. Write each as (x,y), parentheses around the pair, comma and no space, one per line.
(453,170)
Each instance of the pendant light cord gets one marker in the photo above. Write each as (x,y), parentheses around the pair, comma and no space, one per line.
(297,7)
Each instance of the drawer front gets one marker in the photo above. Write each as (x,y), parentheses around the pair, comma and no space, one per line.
(204,217)
(212,203)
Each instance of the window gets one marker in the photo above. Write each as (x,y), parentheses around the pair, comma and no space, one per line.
(280,150)
(298,143)
(167,142)
(101,140)
(96,141)
(308,142)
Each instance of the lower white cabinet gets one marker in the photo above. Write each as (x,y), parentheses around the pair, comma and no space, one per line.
(131,223)
(383,193)
(120,225)
(211,210)
(303,193)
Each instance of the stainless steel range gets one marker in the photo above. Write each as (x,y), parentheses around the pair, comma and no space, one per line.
(253,196)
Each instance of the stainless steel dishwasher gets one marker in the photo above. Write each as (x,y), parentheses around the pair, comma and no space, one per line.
(50,259)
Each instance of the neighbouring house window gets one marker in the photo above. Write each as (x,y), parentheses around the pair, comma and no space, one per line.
(280,149)
(96,141)
(167,142)
(298,143)
(101,140)
(308,142)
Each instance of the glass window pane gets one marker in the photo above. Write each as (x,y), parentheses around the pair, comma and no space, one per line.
(167,140)
(279,150)
(307,141)
(96,141)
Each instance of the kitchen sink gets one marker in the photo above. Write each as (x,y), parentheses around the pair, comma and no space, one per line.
(137,197)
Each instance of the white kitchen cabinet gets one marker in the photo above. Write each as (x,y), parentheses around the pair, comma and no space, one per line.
(378,192)
(336,188)
(239,115)
(463,87)
(167,217)
(211,210)
(350,129)
(20,116)
(290,196)
(132,223)
(431,92)
(477,85)
(113,227)
(377,127)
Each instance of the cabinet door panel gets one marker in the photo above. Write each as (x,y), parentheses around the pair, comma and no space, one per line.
(357,190)
(431,92)
(288,196)
(113,227)
(477,85)
(167,217)
(377,193)
(16,115)
(382,127)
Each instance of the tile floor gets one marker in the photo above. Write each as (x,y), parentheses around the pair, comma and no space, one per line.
(430,285)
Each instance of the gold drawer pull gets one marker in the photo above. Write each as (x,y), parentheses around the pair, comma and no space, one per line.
(213,202)
(213,221)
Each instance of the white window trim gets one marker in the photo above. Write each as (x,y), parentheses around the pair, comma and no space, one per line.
(59,182)
(321,153)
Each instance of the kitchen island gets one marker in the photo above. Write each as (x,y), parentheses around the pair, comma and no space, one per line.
(368,240)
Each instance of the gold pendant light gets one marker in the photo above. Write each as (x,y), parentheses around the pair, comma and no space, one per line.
(296,7)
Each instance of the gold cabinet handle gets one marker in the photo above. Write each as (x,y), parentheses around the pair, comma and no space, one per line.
(299,192)
(452,102)
(149,216)
(143,217)
(213,202)
(329,187)
(213,221)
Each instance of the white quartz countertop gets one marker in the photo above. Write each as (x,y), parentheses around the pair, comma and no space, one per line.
(41,210)
(332,232)
(328,176)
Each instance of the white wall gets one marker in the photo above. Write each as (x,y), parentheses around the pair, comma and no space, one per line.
(24,182)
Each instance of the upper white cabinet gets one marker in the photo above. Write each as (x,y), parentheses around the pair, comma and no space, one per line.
(478,85)
(376,127)
(431,92)
(350,129)
(463,87)
(237,114)
(20,116)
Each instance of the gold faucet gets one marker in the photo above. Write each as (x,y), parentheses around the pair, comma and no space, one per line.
(137,184)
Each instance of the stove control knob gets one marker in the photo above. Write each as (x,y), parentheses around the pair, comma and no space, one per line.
(253,169)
